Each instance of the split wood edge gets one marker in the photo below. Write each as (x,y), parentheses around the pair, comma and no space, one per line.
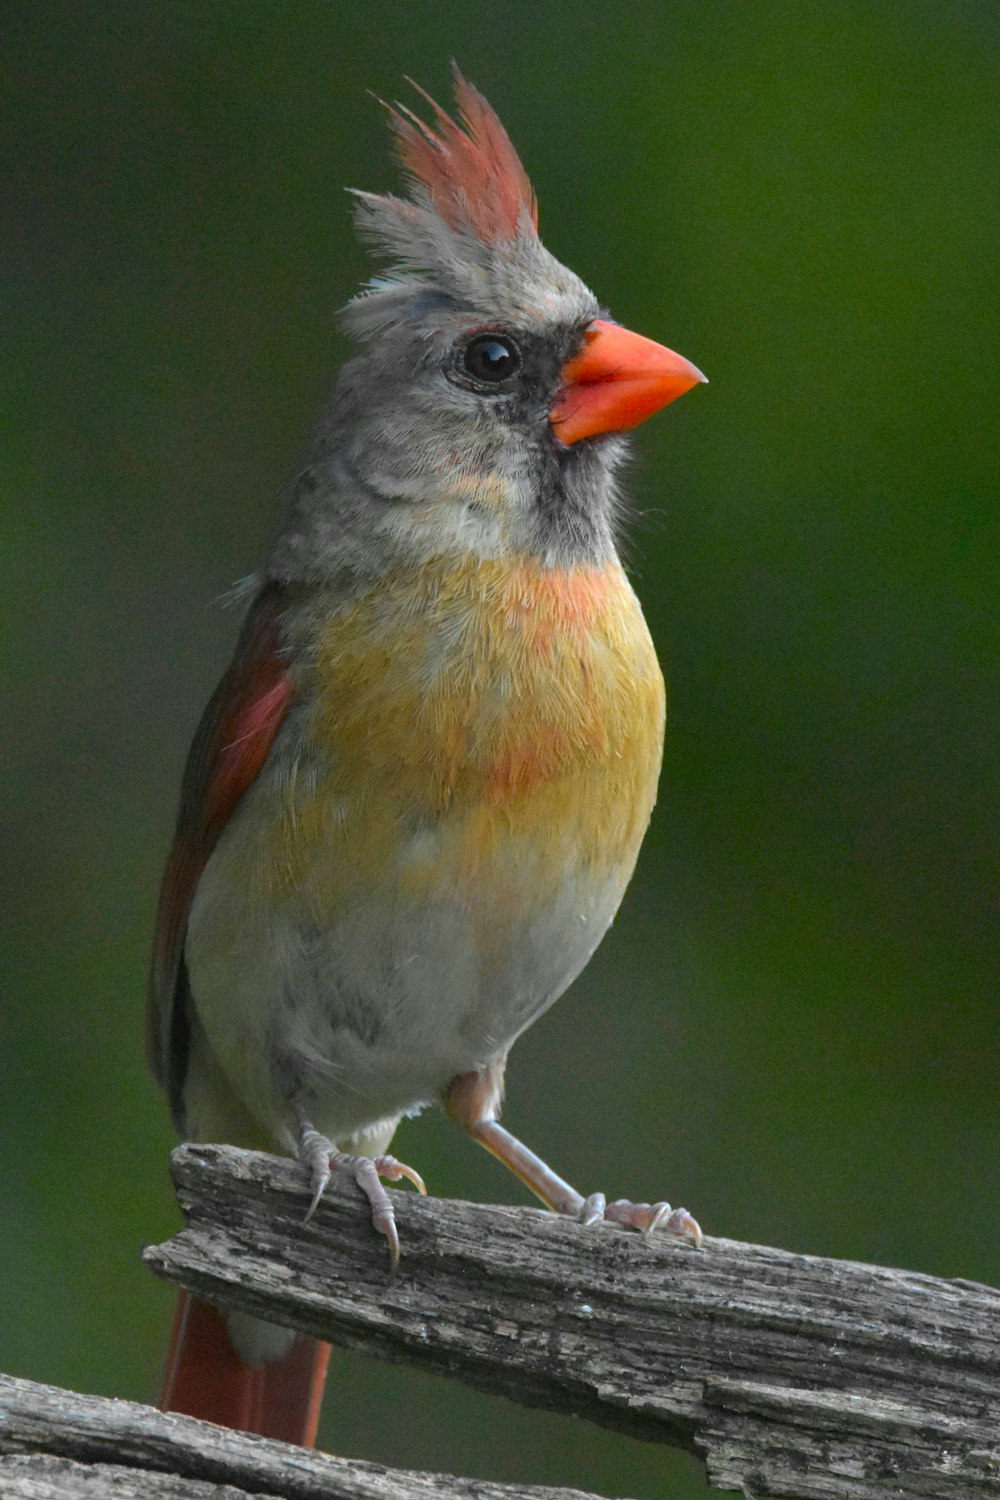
(788,1375)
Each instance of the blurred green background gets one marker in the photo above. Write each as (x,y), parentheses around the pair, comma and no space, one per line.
(792,1026)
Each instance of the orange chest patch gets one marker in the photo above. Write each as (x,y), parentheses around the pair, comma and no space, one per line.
(503,706)
(487,679)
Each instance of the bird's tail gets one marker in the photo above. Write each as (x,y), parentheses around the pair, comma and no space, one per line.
(206,1378)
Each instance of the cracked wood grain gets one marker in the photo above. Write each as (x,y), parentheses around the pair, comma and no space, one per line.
(57,1445)
(790,1375)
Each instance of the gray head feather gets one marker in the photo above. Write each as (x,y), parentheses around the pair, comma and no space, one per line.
(412,460)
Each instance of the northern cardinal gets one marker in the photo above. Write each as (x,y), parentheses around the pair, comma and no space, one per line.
(414,802)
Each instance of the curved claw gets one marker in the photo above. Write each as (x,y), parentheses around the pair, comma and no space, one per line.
(389,1167)
(314,1151)
(366,1175)
(675,1221)
(648,1217)
(320,1158)
(319,1188)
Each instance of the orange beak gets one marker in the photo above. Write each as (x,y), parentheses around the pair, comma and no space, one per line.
(617,380)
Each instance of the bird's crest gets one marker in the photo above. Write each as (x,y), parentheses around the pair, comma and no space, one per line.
(468,168)
(466,231)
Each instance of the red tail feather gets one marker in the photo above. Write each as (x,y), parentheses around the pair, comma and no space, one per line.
(205,1378)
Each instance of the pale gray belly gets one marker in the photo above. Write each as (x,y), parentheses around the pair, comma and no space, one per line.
(375,1013)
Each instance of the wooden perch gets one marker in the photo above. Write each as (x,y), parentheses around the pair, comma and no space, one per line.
(789,1375)
(56,1445)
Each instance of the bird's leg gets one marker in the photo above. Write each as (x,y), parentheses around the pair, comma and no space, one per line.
(472,1101)
(320,1157)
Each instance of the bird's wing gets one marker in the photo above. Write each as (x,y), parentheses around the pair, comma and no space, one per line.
(229,749)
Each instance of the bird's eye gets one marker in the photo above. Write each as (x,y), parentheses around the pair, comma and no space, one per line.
(491,358)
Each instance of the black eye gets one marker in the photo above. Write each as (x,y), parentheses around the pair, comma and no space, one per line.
(491,358)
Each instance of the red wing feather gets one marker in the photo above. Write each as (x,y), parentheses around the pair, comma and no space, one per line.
(229,749)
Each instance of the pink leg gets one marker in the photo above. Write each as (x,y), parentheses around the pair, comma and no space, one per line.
(472,1100)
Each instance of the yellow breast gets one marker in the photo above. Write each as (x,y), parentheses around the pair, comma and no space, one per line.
(471,719)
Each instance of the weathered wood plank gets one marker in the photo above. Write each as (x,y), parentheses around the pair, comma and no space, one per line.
(58,1445)
(790,1375)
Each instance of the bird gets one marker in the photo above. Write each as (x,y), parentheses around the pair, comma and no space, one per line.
(416,798)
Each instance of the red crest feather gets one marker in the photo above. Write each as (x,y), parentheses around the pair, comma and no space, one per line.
(470,170)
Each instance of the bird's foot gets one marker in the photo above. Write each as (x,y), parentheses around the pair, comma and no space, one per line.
(468,1100)
(321,1158)
(646,1217)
